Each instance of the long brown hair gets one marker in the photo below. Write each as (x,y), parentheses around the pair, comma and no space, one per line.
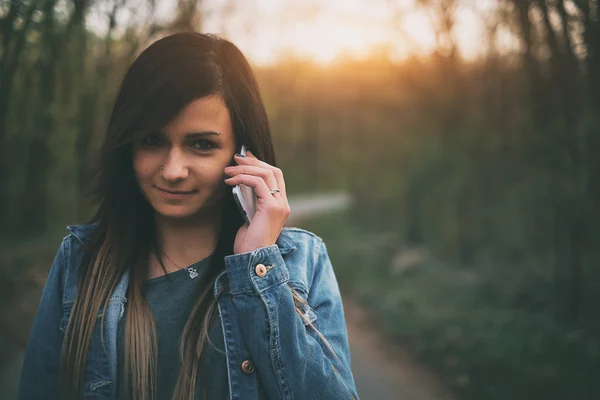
(165,77)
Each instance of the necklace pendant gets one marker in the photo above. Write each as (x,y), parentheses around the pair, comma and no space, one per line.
(192,272)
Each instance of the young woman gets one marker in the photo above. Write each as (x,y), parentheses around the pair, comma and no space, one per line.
(167,293)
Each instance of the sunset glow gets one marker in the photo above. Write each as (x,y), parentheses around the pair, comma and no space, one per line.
(323,31)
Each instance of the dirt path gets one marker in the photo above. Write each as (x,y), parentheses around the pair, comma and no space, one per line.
(382,369)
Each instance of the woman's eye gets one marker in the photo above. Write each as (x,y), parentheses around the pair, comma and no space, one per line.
(152,140)
(203,145)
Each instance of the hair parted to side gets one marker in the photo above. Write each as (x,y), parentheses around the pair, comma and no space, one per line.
(164,78)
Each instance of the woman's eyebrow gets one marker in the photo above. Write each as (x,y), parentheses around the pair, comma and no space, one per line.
(197,135)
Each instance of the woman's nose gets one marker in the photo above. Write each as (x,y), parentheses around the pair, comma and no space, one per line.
(175,168)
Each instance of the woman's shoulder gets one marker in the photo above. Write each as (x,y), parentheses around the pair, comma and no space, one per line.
(292,238)
(307,260)
(64,270)
(73,245)
(294,231)
(302,252)
(81,232)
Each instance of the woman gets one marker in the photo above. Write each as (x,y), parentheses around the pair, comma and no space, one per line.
(255,312)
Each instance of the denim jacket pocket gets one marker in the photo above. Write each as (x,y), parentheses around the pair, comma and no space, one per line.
(308,313)
(97,382)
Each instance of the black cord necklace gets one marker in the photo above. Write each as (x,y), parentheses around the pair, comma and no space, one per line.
(191,270)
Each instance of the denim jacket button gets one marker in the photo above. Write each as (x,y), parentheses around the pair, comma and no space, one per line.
(247,367)
(261,270)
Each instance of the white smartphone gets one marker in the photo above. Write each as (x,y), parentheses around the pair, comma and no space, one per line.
(245,197)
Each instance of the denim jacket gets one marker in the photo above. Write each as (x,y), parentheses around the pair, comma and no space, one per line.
(270,350)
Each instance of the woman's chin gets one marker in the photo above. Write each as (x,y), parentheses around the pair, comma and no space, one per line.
(176,212)
(186,209)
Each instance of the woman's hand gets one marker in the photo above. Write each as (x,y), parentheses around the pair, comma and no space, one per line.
(272,210)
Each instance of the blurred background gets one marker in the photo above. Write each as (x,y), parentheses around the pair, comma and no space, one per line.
(444,149)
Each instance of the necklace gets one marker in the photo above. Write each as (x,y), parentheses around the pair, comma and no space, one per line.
(191,270)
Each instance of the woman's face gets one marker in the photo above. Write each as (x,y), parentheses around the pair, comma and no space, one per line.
(180,168)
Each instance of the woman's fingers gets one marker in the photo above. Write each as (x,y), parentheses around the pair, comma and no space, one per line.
(260,188)
(272,208)
(250,159)
(266,174)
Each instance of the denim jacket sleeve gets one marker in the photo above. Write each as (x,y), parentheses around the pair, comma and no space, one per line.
(291,359)
(40,372)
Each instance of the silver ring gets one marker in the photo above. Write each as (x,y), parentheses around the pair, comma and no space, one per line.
(275,190)
(161,167)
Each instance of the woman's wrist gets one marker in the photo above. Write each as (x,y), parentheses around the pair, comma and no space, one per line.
(256,270)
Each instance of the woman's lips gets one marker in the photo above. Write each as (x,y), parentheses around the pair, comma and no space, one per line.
(174,195)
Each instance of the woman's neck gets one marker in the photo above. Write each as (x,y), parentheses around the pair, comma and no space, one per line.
(187,241)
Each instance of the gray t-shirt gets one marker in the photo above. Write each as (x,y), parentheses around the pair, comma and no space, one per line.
(171,298)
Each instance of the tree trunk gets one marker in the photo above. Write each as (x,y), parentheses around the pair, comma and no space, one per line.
(536,89)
